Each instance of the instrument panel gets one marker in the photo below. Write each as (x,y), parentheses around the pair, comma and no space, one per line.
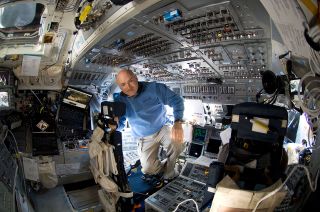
(207,48)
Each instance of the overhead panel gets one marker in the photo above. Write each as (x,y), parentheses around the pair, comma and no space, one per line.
(138,41)
(218,40)
(193,42)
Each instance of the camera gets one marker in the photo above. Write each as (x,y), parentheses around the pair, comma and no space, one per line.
(111,111)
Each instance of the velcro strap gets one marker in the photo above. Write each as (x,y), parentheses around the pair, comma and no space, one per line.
(125,194)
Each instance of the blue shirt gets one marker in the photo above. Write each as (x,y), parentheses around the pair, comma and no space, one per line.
(146,111)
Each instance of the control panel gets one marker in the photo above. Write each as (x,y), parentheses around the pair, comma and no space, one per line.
(195,172)
(226,93)
(6,89)
(210,50)
(167,198)
(190,184)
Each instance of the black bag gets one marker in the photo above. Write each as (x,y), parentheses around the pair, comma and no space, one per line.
(257,134)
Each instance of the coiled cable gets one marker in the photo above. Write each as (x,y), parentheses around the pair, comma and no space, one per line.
(309,101)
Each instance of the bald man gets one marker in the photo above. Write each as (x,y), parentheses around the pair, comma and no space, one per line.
(146,114)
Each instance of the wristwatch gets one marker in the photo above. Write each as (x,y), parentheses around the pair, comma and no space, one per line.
(179,121)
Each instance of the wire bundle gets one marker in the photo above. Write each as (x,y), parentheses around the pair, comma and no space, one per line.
(312,183)
(309,101)
(310,82)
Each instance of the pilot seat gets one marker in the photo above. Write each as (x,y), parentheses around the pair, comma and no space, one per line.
(255,157)
(255,146)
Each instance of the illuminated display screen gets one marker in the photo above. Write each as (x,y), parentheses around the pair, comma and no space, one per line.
(4,99)
(77,98)
(199,135)
(4,78)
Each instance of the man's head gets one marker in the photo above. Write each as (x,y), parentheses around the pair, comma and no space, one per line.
(127,82)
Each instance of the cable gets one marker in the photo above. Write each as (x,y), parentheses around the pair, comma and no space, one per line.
(187,201)
(5,136)
(309,131)
(309,100)
(15,141)
(14,189)
(272,99)
(71,51)
(312,187)
(36,96)
(258,95)
(314,60)
(19,161)
(16,170)
(299,9)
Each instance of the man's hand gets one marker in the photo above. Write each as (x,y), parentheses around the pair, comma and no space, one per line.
(177,132)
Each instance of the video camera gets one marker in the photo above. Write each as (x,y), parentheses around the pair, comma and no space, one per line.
(111,111)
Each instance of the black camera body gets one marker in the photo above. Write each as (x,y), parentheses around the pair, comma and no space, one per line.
(272,83)
(112,110)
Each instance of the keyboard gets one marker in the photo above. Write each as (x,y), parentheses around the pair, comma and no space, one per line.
(66,133)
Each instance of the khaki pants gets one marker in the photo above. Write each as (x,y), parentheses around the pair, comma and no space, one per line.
(148,149)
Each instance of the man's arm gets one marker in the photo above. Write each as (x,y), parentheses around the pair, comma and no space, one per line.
(168,97)
(122,123)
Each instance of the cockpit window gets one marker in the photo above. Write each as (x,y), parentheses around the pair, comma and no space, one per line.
(20,15)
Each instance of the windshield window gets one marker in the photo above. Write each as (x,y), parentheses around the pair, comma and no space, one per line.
(20,15)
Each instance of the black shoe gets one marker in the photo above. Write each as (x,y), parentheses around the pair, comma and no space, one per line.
(155,181)
(166,181)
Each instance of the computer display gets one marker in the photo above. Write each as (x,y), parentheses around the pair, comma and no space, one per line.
(77,98)
(195,150)
(213,146)
(199,135)
(4,78)
(4,99)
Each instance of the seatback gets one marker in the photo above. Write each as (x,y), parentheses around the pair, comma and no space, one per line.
(256,141)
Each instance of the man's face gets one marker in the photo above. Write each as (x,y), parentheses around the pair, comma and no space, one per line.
(128,83)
